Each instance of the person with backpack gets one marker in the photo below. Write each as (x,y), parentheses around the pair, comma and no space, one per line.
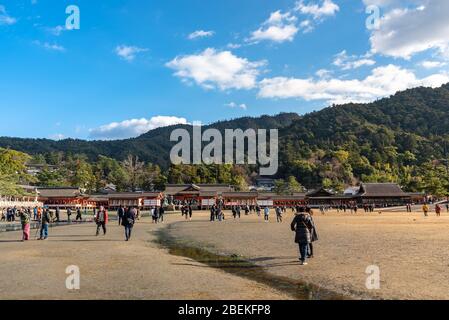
(278,214)
(128,222)
(301,225)
(101,220)
(45,221)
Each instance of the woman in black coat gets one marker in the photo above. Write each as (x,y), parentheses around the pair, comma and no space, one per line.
(302,224)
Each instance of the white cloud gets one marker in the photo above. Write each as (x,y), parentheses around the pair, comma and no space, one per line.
(317,11)
(233,45)
(133,128)
(201,34)
(280,27)
(5,18)
(345,62)
(56,30)
(323,73)
(49,46)
(217,69)
(236,105)
(128,53)
(404,32)
(382,82)
(306,26)
(428,64)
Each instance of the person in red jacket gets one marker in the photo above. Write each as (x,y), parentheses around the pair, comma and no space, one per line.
(101,219)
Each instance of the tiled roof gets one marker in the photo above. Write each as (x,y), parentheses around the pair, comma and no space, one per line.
(60,192)
(381,190)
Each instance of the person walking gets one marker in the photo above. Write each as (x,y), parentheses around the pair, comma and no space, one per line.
(78,215)
(120,214)
(25,221)
(161,214)
(102,220)
(57,213)
(45,221)
(438,210)
(69,215)
(278,214)
(258,210)
(302,225)
(35,213)
(190,212)
(266,214)
(234,212)
(212,213)
(155,215)
(220,214)
(128,222)
(425,209)
(39,213)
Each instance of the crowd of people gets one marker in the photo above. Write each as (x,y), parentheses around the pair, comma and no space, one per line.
(303,224)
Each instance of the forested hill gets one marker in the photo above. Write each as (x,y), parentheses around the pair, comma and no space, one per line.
(153,146)
(379,141)
(403,138)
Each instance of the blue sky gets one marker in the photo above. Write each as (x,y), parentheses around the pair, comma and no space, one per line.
(135,65)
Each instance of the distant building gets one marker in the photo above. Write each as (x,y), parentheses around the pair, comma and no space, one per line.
(65,197)
(35,169)
(266,184)
(108,188)
(202,196)
(142,200)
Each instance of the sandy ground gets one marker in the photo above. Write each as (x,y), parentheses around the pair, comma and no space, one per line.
(112,268)
(412,252)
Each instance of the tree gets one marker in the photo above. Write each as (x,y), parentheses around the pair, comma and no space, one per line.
(134,170)
(293,185)
(108,170)
(13,172)
(49,178)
